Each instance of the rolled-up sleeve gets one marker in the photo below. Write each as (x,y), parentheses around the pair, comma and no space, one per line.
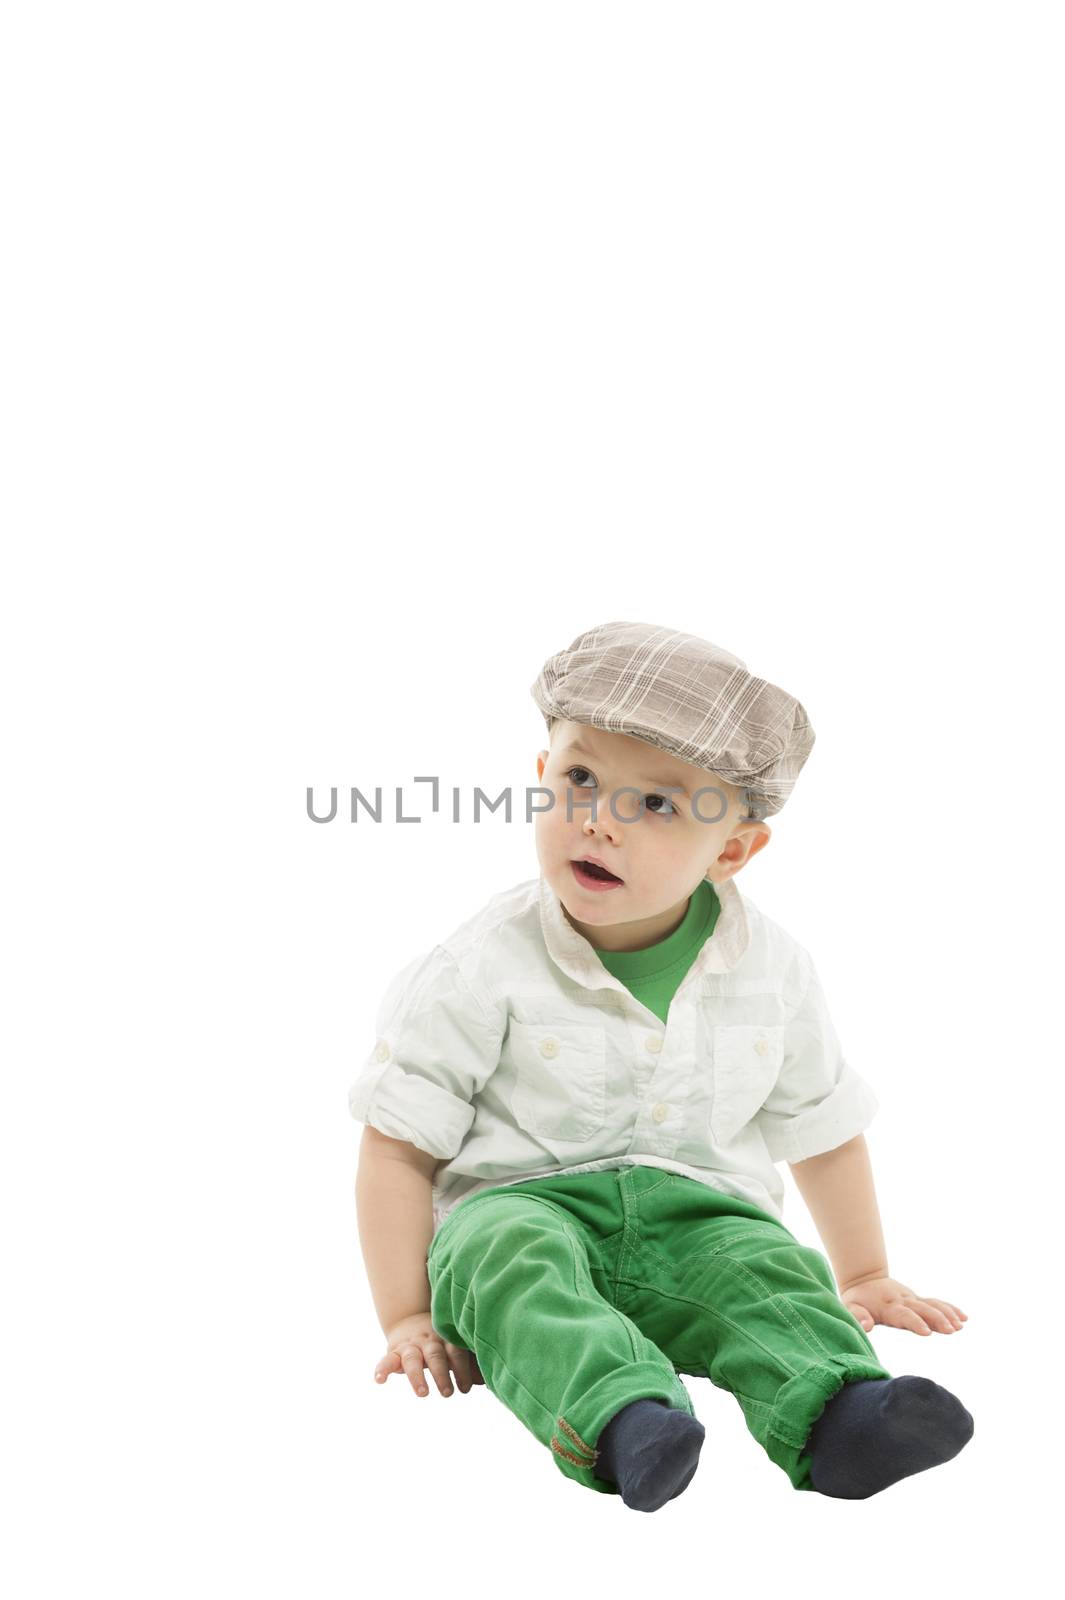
(818,1100)
(437,1045)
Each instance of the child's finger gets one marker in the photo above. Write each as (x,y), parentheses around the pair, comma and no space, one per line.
(437,1363)
(935,1313)
(462,1364)
(413,1366)
(387,1364)
(949,1311)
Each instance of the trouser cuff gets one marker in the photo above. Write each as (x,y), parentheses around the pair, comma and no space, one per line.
(800,1402)
(573,1441)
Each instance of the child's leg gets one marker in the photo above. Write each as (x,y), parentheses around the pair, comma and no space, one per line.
(725,1291)
(511,1281)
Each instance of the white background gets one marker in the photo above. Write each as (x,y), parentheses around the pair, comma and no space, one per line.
(356,358)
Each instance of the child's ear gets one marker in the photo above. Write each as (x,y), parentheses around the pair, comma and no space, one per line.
(541,762)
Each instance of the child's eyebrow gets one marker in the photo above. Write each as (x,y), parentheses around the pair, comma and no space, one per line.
(662,783)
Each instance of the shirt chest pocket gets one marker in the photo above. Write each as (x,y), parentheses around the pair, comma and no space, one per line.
(747,1062)
(559,1078)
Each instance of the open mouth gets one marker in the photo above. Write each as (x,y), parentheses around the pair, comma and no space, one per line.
(587,871)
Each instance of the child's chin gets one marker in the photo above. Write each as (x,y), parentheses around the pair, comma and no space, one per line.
(590,907)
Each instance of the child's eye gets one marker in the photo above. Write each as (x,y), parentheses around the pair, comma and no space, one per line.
(656,811)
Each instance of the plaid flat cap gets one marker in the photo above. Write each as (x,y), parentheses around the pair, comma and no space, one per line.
(686,696)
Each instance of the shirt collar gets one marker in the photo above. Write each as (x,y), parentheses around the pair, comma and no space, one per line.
(572,952)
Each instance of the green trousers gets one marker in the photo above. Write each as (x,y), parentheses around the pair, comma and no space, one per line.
(583,1292)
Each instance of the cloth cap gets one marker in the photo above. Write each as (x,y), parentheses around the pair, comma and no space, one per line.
(686,696)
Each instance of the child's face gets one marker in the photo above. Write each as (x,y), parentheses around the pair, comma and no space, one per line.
(659,855)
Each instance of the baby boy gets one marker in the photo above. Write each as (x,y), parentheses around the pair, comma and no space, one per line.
(574,1107)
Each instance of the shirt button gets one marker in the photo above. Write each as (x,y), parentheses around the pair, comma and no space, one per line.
(382,1051)
(653,1043)
(761,1045)
(660,1113)
(549,1047)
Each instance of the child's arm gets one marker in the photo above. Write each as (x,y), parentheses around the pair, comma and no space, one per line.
(394,1200)
(438,1039)
(837,1188)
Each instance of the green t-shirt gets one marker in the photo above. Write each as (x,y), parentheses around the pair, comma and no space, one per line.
(654,975)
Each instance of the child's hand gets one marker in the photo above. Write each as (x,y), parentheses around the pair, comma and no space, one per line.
(887,1301)
(414,1344)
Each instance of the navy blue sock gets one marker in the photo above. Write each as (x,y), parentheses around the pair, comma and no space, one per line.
(650,1451)
(877,1430)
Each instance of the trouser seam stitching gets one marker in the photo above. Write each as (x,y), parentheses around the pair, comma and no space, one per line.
(784,1307)
(631,1235)
(701,1305)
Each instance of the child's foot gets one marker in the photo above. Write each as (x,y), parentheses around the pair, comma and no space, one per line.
(650,1451)
(877,1430)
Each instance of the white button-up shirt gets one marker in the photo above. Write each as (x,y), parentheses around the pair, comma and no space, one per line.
(510,1052)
